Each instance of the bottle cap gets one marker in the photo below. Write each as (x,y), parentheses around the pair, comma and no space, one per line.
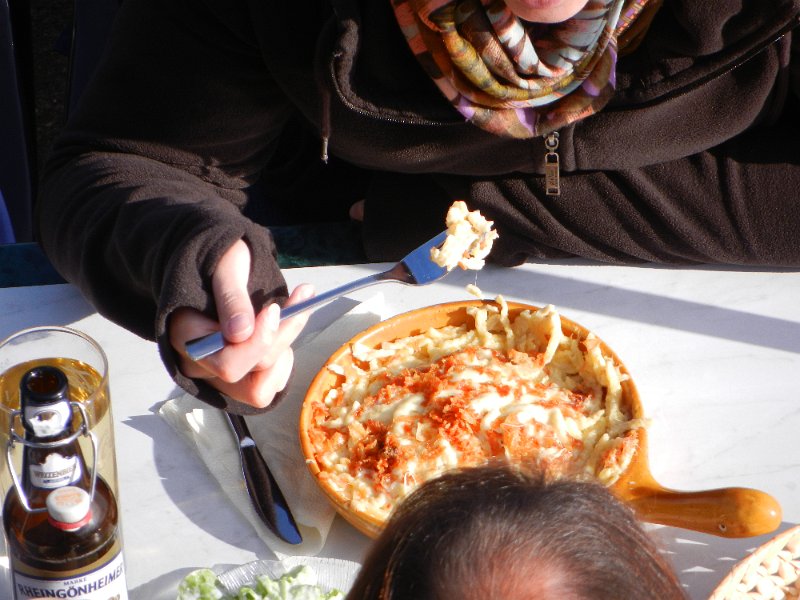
(69,507)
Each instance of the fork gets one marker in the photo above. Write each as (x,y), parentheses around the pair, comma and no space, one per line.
(416,268)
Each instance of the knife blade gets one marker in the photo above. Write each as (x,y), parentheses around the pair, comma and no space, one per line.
(263,490)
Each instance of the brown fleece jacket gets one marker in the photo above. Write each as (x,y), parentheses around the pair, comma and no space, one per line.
(695,160)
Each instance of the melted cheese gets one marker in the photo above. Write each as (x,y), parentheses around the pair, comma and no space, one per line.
(458,396)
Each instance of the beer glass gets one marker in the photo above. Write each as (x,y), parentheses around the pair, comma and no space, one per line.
(83,361)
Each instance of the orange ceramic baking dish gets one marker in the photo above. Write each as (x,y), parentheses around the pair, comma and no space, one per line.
(728,512)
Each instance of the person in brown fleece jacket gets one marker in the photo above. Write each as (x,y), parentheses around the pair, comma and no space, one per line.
(668,131)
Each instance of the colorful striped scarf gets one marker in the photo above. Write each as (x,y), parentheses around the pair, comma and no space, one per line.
(511,77)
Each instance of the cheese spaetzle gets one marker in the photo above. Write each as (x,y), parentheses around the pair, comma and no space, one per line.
(456,396)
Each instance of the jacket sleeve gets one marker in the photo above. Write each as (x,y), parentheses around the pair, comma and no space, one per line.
(732,204)
(143,191)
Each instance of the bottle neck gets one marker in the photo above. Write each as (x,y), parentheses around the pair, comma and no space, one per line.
(47,422)
(51,457)
(45,469)
(45,403)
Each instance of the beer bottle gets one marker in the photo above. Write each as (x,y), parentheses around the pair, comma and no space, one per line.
(60,518)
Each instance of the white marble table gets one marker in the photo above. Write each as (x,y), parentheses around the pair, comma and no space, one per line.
(715,354)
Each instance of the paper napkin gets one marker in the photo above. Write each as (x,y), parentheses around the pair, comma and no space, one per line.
(276,433)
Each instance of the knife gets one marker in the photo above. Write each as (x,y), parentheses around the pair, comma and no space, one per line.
(265,495)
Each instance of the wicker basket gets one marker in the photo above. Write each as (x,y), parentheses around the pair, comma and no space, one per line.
(771,572)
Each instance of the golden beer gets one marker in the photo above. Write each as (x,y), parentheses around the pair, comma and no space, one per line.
(84,363)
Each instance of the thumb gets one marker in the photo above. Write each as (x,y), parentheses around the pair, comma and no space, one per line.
(229,283)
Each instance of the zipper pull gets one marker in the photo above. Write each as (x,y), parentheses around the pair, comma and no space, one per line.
(324,152)
(552,175)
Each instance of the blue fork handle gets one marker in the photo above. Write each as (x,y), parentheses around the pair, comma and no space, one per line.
(202,347)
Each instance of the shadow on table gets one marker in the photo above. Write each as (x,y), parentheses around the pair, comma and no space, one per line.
(703,560)
(198,495)
(655,309)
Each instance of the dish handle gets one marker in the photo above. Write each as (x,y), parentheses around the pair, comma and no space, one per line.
(733,512)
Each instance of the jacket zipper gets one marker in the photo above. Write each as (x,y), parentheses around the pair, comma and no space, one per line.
(552,167)
(552,171)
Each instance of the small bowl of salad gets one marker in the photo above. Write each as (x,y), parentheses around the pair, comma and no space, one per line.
(294,578)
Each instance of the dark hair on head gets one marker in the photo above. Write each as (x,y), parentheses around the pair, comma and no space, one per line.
(498,532)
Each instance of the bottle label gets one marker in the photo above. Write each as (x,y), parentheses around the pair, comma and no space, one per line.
(56,471)
(106,582)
